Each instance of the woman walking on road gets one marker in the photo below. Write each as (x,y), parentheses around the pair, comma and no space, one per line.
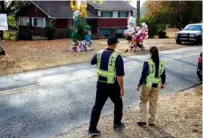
(152,79)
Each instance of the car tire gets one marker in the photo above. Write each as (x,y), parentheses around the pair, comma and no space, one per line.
(178,42)
(199,40)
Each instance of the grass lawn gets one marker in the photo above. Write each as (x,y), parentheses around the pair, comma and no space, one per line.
(30,55)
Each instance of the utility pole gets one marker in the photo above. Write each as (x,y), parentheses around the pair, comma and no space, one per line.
(138,12)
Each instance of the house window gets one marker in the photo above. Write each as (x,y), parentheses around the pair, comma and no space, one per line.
(123,14)
(107,14)
(38,22)
(23,21)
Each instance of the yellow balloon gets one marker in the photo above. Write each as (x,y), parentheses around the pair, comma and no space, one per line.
(83,9)
(83,12)
(101,1)
(74,5)
(83,4)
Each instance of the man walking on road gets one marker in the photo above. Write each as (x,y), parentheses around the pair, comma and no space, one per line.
(109,84)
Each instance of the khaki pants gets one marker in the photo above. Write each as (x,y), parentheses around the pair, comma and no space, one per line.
(151,95)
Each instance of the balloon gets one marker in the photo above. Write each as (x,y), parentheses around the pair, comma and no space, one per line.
(128,26)
(83,8)
(134,37)
(136,34)
(131,21)
(88,39)
(101,1)
(74,5)
(137,28)
(76,16)
(87,28)
(83,3)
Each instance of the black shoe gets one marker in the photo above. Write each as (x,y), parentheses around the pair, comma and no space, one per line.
(141,123)
(152,124)
(94,133)
(117,127)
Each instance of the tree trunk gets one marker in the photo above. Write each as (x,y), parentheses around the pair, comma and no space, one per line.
(2,7)
(138,12)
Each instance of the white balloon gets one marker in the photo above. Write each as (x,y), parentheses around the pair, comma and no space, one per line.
(76,13)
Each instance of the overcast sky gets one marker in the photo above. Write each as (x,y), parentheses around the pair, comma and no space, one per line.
(134,3)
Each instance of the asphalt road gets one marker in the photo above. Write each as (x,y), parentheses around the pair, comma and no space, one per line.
(41,104)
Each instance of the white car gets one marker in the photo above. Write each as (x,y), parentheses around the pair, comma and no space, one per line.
(191,33)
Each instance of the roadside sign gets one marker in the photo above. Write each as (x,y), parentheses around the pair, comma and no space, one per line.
(3,22)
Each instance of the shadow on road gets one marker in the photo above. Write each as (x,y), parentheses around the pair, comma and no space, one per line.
(157,132)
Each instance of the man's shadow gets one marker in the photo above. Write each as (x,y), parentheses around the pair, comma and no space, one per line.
(153,132)
(117,134)
(121,134)
(156,132)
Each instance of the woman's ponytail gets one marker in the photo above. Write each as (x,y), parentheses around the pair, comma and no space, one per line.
(154,54)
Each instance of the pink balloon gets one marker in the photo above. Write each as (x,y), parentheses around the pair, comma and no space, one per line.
(139,32)
(141,40)
(134,37)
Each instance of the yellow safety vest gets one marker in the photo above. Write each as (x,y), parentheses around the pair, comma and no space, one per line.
(151,79)
(110,74)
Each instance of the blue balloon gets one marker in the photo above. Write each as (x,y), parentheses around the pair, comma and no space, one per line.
(88,38)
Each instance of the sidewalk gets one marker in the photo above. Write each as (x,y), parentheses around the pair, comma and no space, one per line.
(179,115)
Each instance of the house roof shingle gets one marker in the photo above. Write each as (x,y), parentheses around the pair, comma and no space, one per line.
(58,9)
(61,9)
(112,5)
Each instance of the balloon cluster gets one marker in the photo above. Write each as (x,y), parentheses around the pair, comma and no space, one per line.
(135,34)
(81,36)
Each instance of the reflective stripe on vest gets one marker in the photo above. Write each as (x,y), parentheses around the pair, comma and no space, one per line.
(151,79)
(110,74)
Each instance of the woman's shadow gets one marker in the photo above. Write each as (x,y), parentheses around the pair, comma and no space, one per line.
(157,132)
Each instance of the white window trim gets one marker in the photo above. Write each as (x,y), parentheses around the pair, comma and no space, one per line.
(123,17)
(113,13)
(23,17)
(106,17)
(44,22)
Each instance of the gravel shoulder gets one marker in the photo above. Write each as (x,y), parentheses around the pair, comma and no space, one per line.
(179,116)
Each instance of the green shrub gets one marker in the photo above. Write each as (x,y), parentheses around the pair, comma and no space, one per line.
(161,27)
(154,26)
(25,33)
(49,32)
(161,30)
(12,24)
(113,31)
(162,34)
(10,35)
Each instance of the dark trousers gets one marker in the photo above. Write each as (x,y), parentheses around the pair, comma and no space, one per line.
(102,95)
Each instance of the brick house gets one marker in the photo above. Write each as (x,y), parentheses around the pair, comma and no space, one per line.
(102,17)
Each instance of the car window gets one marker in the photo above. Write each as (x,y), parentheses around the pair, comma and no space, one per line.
(194,27)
